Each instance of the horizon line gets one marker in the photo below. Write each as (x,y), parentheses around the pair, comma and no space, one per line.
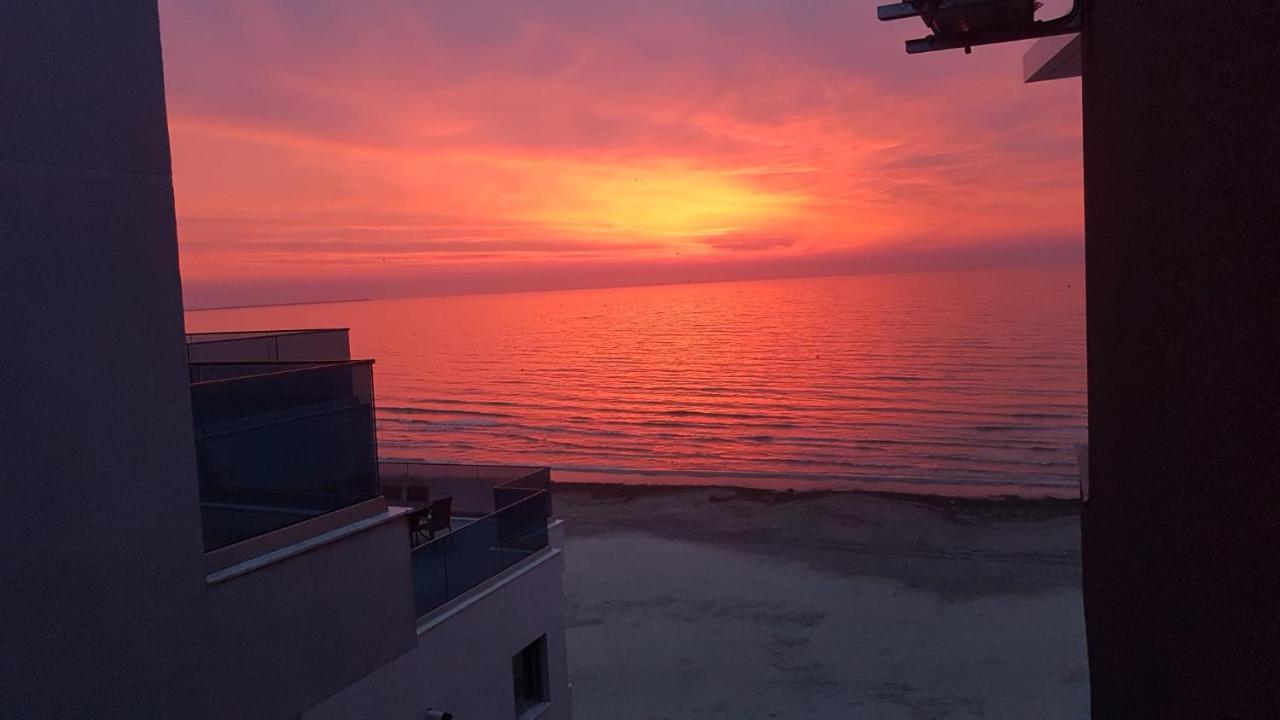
(709,281)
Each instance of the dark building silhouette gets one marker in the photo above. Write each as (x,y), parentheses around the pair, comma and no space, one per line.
(1181,523)
(1181,534)
(1182,221)
(199,526)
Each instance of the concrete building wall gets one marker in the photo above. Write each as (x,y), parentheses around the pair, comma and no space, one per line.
(276,641)
(1182,196)
(462,663)
(99,520)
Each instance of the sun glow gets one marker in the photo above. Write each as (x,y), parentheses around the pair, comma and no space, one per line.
(675,206)
(355,141)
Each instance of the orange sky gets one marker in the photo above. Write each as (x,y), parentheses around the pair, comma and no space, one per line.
(413,147)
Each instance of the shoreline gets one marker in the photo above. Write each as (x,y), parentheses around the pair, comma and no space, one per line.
(1065,261)
(1066,504)
(781,483)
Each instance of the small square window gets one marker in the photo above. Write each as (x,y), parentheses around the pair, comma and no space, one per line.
(529,674)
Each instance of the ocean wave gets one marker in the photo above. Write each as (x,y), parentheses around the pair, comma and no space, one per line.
(842,383)
(437,411)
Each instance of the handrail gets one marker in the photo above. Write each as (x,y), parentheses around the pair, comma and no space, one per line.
(474,487)
(253,334)
(290,344)
(443,464)
(310,366)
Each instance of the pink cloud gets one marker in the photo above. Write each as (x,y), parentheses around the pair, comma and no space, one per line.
(324,137)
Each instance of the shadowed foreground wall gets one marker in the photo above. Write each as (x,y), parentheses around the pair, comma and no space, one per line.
(1182,195)
(99,521)
(105,608)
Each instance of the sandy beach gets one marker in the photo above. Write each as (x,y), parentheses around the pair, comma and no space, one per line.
(728,603)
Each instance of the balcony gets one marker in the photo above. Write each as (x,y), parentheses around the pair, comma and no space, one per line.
(278,444)
(500,519)
(287,458)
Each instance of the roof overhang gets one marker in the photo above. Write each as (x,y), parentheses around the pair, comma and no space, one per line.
(1052,58)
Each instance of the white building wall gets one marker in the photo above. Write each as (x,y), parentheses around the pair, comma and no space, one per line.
(462,663)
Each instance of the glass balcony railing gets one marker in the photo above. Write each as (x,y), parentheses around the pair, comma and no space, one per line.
(458,561)
(329,344)
(474,488)
(279,443)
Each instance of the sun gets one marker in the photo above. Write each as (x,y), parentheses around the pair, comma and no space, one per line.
(669,204)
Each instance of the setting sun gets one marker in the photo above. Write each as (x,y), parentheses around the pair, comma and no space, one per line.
(679,207)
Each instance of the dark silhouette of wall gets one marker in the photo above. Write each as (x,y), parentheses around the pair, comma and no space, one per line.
(1182,204)
(99,518)
(106,610)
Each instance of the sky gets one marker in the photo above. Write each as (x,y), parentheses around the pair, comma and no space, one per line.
(416,147)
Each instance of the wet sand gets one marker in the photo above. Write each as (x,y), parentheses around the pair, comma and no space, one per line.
(727,603)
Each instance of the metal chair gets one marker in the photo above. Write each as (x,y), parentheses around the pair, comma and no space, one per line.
(419,521)
(441,516)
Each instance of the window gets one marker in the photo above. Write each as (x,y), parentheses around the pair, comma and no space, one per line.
(529,673)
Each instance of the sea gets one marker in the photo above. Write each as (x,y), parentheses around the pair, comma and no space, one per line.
(959,383)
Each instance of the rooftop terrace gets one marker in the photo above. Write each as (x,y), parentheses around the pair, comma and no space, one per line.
(286,447)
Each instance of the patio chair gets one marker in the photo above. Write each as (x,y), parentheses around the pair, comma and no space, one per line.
(424,524)
(441,515)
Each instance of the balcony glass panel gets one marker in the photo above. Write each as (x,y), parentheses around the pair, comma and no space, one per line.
(329,345)
(277,443)
(458,561)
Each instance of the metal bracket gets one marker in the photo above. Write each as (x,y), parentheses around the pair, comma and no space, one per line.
(897,11)
(1069,23)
